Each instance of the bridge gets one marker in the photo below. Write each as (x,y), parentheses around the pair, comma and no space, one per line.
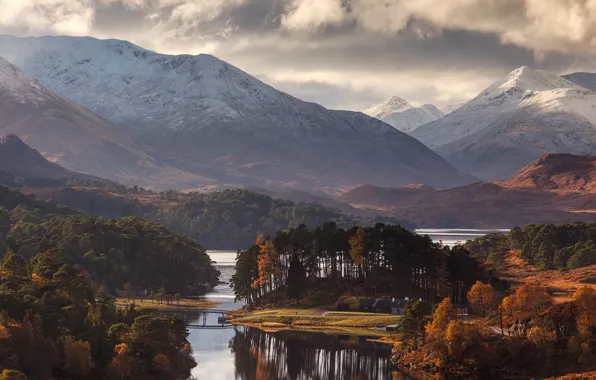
(210,327)
(222,322)
(196,311)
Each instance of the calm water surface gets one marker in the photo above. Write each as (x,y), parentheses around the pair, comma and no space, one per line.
(249,354)
(455,236)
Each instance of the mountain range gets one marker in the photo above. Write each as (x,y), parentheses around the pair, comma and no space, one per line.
(556,188)
(515,121)
(398,113)
(213,123)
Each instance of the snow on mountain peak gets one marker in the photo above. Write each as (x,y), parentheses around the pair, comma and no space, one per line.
(520,83)
(526,114)
(208,116)
(140,89)
(386,108)
(398,113)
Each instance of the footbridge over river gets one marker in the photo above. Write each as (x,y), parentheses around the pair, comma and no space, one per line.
(222,320)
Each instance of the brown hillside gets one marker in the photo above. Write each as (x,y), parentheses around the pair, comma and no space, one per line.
(564,173)
(562,285)
(557,188)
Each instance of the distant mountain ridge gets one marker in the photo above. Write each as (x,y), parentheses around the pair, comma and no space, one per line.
(556,188)
(586,80)
(398,113)
(562,173)
(203,116)
(513,122)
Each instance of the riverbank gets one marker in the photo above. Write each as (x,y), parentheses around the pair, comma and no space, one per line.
(320,320)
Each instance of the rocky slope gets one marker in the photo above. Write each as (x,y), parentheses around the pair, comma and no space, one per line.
(561,173)
(556,188)
(207,117)
(513,122)
(402,116)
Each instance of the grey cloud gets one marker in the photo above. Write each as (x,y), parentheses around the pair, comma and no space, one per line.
(344,53)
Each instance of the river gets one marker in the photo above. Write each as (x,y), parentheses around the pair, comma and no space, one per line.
(250,354)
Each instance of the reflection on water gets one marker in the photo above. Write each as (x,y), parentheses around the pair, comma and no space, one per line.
(212,347)
(250,354)
(308,356)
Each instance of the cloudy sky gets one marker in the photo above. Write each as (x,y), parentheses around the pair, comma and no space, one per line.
(341,53)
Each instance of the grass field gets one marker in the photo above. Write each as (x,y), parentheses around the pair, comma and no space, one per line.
(184,303)
(335,322)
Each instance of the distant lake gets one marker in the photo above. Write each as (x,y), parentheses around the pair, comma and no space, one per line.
(250,354)
(455,236)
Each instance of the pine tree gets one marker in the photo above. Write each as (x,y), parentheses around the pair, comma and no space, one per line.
(412,322)
(296,279)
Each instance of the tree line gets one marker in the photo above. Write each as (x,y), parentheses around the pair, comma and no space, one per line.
(228,219)
(110,252)
(382,260)
(547,246)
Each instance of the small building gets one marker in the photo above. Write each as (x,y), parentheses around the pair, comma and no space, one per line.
(398,306)
(461,309)
(382,306)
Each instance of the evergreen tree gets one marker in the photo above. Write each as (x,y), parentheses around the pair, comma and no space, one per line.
(296,279)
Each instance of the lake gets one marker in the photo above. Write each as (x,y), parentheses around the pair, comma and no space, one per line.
(455,236)
(250,354)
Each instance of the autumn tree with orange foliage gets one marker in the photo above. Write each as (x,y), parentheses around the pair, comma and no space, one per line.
(268,264)
(585,299)
(435,330)
(77,356)
(11,374)
(528,302)
(458,336)
(122,364)
(483,298)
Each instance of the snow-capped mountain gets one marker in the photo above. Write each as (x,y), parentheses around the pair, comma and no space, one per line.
(69,134)
(513,122)
(386,108)
(398,113)
(208,117)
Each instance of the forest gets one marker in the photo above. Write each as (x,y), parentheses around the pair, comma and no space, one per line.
(547,246)
(521,335)
(111,252)
(229,219)
(53,326)
(59,269)
(383,260)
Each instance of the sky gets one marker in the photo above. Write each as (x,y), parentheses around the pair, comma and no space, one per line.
(343,54)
